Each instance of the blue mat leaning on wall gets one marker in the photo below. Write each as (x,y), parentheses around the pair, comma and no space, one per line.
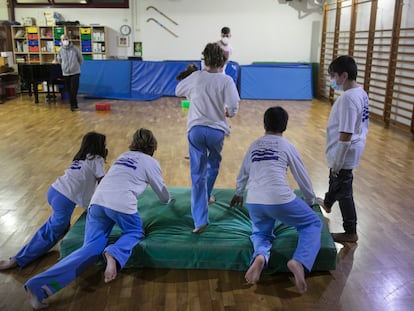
(134,79)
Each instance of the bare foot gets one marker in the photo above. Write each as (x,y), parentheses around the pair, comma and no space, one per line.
(298,271)
(212,199)
(199,229)
(34,302)
(8,264)
(110,271)
(252,275)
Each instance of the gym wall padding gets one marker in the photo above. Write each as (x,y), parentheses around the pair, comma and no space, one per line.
(276,81)
(134,79)
(223,245)
(106,79)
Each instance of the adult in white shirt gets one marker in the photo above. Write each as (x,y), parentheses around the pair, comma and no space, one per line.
(224,43)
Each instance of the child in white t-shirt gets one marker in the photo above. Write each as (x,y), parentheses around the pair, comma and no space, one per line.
(270,198)
(346,134)
(75,187)
(114,202)
(214,97)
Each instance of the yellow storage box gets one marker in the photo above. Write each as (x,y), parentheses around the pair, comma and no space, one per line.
(85,31)
(31,29)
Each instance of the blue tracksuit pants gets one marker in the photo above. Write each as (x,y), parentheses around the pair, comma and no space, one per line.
(296,214)
(99,224)
(51,231)
(205,146)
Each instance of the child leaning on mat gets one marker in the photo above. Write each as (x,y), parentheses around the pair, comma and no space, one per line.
(270,198)
(114,202)
(75,187)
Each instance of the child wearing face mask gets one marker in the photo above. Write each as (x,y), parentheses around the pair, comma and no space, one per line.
(346,134)
(70,59)
(224,43)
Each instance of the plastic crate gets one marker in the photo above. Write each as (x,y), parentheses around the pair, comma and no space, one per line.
(87,57)
(103,106)
(33,49)
(86,37)
(59,30)
(32,36)
(85,31)
(33,43)
(31,29)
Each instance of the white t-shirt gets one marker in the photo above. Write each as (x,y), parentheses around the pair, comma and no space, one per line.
(349,114)
(209,94)
(79,181)
(228,49)
(264,171)
(127,178)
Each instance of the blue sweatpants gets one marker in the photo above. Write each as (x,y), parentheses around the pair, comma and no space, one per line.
(296,214)
(50,232)
(205,146)
(99,223)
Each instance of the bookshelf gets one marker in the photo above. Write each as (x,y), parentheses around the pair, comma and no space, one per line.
(40,44)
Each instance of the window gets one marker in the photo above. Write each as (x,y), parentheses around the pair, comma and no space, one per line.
(72,3)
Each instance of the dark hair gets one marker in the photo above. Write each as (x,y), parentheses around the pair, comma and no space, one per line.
(343,64)
(214,55)
(275,119)
(225,30)
(93,144)
(188,70)
(144,141)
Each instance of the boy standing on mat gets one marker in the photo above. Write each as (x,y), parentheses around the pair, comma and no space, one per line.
(114,202)
(213,97)
(346,134)
(270,198)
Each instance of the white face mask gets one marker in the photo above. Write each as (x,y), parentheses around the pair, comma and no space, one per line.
(65,42)
(335,86)
(225,40)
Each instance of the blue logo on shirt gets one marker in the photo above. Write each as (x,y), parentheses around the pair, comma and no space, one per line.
(76,165)
(264,154)
(365,112)
(128,162)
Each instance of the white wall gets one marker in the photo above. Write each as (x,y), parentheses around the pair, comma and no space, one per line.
(3,10)
(263,30)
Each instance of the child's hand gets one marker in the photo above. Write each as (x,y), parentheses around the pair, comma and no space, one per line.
(237,201)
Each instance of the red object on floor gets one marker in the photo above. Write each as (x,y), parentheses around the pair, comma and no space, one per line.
(103,106)
(10,92)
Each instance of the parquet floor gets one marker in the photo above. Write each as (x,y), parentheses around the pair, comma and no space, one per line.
(37,142)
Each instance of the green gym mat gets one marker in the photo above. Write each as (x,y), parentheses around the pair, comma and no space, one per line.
(223,245)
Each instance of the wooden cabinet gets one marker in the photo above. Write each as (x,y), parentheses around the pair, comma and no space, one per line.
(5,37)
(40,44)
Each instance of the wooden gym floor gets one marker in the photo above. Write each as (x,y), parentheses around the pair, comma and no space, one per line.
(39,141)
